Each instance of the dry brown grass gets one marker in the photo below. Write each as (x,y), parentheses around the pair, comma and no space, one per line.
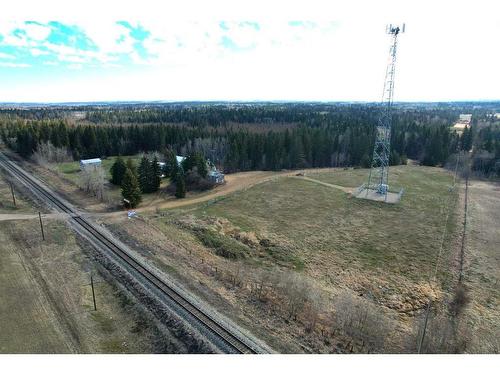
(482,267)
(317,231)
(45,297)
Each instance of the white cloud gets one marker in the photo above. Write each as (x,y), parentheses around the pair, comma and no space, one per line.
(448,52)
(38,52)
(13,65)
(36,32)
(7,56)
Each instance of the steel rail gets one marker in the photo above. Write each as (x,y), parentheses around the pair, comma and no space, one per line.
(194,311)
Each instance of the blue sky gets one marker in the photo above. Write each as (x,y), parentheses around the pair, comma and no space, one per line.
(169,53)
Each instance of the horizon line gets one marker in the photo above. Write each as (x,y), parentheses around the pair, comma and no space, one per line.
(256,101)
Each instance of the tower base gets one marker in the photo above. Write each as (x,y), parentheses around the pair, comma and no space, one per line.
(373,195)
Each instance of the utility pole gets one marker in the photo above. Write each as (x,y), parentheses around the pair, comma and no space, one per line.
(13,195)
(421,341)
(41,225)
(93,294)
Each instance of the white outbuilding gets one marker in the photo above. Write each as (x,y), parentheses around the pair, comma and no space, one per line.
(179,159)
(94,163)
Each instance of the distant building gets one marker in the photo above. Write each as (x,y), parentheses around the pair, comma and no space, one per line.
(465,117)
(94,163)
(215,176)
(180,159)
(162,166)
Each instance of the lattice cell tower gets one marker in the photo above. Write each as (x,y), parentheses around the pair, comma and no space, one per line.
(378,179)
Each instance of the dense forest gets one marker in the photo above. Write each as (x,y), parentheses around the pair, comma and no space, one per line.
(258,136)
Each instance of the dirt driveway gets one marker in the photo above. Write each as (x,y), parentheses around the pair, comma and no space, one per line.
(234,182)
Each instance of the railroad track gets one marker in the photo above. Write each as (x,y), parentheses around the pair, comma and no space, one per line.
(232,341)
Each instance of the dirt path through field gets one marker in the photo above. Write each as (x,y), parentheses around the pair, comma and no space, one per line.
(11,217)
(343,188)
(234,182)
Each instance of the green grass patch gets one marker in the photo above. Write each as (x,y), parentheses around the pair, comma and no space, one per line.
(105,324)
(71,170)
(114,345)
(324,227)
(226,247)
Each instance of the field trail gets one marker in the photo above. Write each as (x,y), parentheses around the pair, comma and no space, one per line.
(234,182)
(11,217)
(343,188)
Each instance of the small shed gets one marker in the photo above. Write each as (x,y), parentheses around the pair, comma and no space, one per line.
(94,163)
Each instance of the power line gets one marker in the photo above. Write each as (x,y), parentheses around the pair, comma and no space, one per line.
(433,276)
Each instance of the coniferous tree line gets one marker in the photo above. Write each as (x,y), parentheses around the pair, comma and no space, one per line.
(216,113)
(482,140)
(340,135)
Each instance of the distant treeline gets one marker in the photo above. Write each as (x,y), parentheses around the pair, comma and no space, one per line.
(316,135)
(483,140)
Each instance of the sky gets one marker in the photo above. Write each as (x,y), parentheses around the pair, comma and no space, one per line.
(62,51)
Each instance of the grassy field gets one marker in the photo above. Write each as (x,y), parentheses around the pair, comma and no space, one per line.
(329,231)
(380,253)
(482,265)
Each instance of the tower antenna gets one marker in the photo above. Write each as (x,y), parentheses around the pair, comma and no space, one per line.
(377,187)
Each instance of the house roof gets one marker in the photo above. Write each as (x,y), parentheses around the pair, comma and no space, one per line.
(215,173)
(90,161)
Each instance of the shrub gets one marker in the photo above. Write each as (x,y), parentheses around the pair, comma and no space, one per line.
(224,246)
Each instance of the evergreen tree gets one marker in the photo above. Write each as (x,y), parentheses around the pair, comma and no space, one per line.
(118,170)
(180,190)
(156,174)
(171,165)
(189,162)
(365,161)
(130,188)
(145,175)
(201,165)
(394,158)
(26,143)
(131,165)
(467,137)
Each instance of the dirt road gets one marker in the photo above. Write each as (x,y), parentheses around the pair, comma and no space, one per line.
(11,217)
(234,182)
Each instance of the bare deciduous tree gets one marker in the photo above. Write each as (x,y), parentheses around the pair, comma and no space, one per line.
(91,180)
(294,289)
(47,153)
(314,306)
(444,334)
(363,321)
